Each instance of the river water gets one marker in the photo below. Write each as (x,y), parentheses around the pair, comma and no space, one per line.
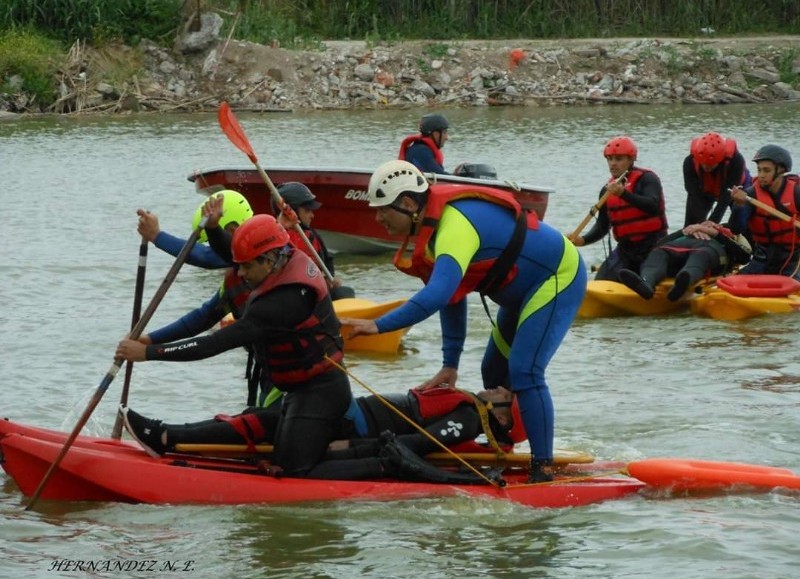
(623,388)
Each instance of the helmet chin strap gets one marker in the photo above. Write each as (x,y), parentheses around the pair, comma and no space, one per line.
(413,215)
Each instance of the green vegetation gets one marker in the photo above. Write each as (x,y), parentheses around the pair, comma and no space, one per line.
(293,21)
(95,21)
(786,62)
(34,59)
(303,23)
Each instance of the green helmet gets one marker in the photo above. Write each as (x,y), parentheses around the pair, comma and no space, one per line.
(235,209)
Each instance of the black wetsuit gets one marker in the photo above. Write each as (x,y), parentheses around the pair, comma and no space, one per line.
(311,414)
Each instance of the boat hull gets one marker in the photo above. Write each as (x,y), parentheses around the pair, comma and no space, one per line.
(721,305)
(102,470)
(678,474)
(346,222)
(386,343)
(609,299)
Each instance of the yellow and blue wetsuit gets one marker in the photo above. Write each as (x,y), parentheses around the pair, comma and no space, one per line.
(536,307)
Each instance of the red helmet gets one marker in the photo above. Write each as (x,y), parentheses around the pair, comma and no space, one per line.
(517,432)
(621,146)
(257,235)
(708,149)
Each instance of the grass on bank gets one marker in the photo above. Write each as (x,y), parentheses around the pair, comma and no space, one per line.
(29,62)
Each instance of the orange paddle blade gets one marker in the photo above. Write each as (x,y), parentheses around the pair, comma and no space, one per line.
(233,130)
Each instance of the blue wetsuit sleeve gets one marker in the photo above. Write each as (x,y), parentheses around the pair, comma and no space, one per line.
(191,324)
(200,256)
(453,319)
(430,299)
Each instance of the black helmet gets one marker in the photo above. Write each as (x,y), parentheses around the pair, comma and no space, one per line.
(298,195)
(476,171)
(433,122)
(776,154)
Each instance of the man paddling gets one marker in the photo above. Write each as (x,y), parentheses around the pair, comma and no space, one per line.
(231,296)
(290,324)
(776,249)
(236,210)
(478,239)
(634,211)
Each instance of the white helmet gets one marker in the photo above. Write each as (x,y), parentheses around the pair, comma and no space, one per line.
(392,179)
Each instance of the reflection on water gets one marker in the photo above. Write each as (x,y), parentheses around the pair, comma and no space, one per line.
(623,388)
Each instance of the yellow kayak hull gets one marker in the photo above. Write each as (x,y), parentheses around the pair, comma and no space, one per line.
(718,304)
(387,343)
(610,299)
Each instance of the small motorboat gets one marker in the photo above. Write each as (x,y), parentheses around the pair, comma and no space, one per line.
(346,222)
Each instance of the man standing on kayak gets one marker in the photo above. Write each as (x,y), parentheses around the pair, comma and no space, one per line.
(290,324)
(713,166)
(424,150)
(634,211)
(478,239)
(776,248)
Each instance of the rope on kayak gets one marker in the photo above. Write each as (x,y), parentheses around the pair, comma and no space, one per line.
(580,478)
(393,408)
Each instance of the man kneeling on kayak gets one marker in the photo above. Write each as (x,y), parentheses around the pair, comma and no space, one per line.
(369,448)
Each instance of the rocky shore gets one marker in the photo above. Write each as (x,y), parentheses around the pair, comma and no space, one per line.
(200,72)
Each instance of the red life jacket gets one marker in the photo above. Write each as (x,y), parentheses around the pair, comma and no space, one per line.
(712,182)
(629,223)
(768,229)
(441,401)
(234,293)
(297,241)
(421,262)
(300,353)
(411,139)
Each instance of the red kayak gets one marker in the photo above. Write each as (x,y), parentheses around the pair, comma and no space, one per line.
(99,469)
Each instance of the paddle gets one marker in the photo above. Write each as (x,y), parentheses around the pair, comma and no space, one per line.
(112,372)
(233,130)
(596,207)
(137,311)
(772,211)
(521,459)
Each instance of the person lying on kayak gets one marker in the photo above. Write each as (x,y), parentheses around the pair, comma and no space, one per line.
(634,211)
(696,251)
(236,210)
(776,249)
(469,238)
(303,203)
(452,417)
(424,150)
(290,324)
(713,166)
